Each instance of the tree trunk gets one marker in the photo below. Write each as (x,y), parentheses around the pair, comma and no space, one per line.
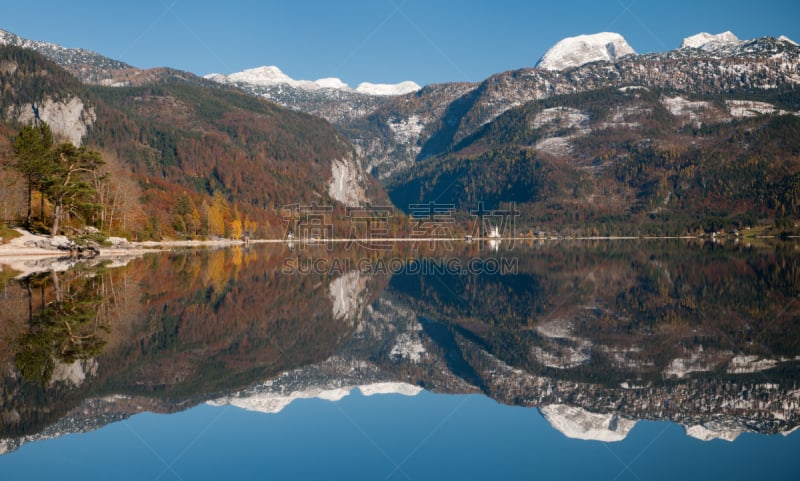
(56,285)
(28,215)
(56,219)
(30,303)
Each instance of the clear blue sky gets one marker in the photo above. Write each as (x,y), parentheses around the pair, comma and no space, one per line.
(375,40)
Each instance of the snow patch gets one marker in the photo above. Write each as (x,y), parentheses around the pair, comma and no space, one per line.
(401,388)
(751,108)
(270,75)
(621,116)
(557,119)
(408,346)
(555,145)
(578,423)
(401,88)
(406,131)
(695,362)
(627,358)
(631,88)
(749,364)
(563,356)
(681,107)
(561,117)
(557,329)
(705,40)
(784,38)
(330,83)
(576,51)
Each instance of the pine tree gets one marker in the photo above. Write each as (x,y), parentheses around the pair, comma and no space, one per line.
(68,183)
(33,152)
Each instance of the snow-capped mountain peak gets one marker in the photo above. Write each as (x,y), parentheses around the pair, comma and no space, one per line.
(576,51)
(270,76)
(265,76)
(703,40)
(388,89)
(331,83)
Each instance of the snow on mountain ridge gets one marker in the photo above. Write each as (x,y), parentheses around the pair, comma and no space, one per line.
(60,54)
(265,75)
(703,40)
(270,75)
(582,49)
(388,89)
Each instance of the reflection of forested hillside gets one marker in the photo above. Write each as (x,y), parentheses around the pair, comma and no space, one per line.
(177,328)
(703,335)
(630,308)
(691,333)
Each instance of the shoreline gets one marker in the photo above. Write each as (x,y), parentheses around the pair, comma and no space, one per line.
(28,259)
(17,248)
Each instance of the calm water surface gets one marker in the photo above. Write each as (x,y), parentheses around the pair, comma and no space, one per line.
(616,360)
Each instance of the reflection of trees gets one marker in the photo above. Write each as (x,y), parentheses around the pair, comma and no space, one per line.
(622,310)
(68,326)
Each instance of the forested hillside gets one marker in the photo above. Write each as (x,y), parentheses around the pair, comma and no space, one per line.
(185,159)
(626,161)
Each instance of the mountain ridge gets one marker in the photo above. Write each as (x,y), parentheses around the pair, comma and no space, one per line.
(271,75)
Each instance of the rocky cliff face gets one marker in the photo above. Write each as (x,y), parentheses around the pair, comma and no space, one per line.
(69,119)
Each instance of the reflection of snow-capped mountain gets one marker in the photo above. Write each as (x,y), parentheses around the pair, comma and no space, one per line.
(589,384)
(715,430)
(578,423)
(264,399)
(581,409)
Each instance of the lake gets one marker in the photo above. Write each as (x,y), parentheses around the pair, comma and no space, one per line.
(632,359)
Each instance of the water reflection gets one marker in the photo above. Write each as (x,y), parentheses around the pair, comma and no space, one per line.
(66,328)
(597,336)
